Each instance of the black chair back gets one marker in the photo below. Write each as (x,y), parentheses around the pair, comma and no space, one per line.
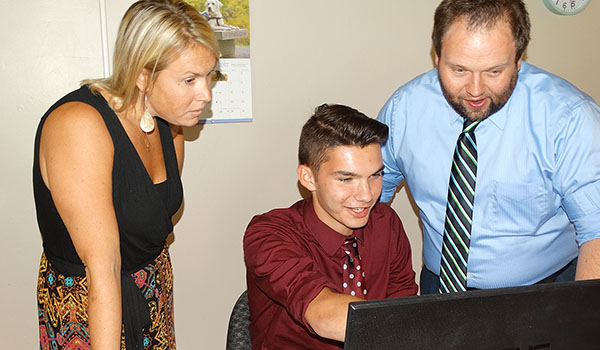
(238,332)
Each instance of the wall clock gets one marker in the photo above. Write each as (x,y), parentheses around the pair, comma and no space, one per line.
(566,7)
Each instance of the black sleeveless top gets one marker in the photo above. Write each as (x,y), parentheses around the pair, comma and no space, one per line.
(143,209)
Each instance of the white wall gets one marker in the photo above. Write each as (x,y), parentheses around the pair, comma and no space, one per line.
(338,51)
(46,48)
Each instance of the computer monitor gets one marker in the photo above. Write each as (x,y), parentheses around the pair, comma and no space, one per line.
(554,316)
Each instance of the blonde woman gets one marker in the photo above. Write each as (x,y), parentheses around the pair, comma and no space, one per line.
(106,177)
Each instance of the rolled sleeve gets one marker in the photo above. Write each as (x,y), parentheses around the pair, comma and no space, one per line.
(583,209)
(577,173)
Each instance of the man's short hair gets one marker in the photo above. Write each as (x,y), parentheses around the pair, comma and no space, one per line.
(482,14)
(337,125)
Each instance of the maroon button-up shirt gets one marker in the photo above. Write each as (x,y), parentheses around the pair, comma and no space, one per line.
(291,256)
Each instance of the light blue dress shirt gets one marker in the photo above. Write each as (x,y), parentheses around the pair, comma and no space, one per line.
(538,178)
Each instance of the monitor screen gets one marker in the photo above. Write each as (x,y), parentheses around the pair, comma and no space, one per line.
(562,315)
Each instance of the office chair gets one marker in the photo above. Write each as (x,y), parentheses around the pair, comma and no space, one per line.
(238,332)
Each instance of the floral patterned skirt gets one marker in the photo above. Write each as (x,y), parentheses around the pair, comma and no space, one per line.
(147,308)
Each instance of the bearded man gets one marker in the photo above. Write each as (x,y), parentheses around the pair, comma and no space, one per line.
(501,157)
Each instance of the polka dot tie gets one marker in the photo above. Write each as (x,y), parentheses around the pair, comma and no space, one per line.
(354,276)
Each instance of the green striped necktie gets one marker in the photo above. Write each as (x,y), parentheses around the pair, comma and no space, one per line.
(459,212)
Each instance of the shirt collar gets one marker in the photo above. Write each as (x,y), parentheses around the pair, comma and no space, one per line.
(329,239)
(499,118)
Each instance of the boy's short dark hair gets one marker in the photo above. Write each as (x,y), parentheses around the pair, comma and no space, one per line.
(336,125)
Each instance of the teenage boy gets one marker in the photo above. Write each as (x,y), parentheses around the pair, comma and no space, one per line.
(302,265)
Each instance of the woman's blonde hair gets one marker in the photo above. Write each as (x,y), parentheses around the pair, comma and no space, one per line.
(151,35)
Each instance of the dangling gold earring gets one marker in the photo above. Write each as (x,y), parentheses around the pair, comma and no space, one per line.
(147,122)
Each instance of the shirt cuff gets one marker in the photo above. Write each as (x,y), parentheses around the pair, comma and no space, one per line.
(583,209)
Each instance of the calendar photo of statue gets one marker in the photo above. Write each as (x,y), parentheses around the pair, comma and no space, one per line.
(230,21)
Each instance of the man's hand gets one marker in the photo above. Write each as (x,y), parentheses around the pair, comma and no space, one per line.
(327,314)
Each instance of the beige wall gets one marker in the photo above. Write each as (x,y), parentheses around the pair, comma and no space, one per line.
(303,54)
